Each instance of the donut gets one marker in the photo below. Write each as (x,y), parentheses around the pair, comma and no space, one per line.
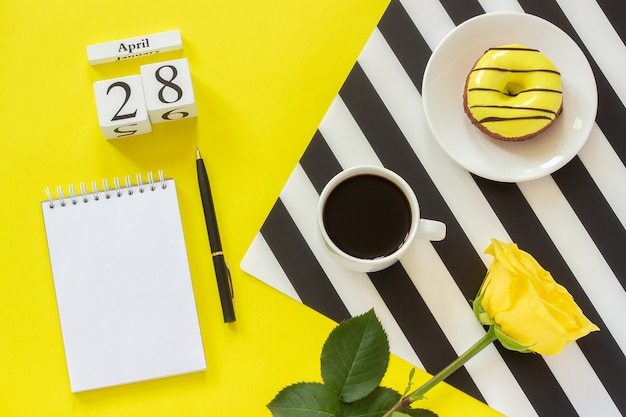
(513,93)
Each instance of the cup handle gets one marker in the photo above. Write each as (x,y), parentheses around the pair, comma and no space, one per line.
(431,230)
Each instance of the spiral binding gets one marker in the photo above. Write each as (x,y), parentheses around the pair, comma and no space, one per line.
(117,191)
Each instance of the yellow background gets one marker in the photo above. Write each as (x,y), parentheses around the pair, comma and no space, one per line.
(264,73)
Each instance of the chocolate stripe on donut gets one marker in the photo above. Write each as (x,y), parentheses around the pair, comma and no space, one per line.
(492,106)
(491,119)
(547,90)
(502,48)
(515,70)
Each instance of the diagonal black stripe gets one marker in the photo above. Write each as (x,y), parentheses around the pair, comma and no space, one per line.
(615,12)
(405,41)
(460,11)
(529,367)
(419,325)
(601,350)
(594,211)
(299,264)
(611,111)
(319,162)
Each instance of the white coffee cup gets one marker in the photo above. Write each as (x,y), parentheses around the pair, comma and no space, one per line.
(369,216)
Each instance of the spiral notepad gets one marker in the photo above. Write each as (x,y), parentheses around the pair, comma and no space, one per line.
(122,282)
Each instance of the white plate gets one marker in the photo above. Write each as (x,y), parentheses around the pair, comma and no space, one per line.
(444,81)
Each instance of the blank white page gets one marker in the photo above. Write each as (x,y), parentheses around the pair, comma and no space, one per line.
(123,287)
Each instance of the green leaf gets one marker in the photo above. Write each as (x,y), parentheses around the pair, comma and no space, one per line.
(355,357)
(399,414)
(305,399)
(376,404)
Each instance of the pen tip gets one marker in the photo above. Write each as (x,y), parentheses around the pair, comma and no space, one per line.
(198,156)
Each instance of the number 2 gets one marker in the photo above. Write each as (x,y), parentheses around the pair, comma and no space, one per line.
(127,92)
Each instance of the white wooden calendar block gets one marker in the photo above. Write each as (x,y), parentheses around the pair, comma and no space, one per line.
(122,49)
(121,107)
(168,91)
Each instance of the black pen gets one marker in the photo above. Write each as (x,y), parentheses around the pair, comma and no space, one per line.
(222,273)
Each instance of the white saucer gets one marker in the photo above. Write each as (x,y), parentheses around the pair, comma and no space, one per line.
(444,81)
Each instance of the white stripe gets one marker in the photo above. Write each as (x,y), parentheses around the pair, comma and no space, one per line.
(607,171)
(354,288)
(423,13)
(598,35)
(261,263)
(580,253)
(609,52)
(581,384)
(344,137)
(491,6)
(465,200)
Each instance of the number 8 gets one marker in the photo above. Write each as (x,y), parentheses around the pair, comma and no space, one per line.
(168,83)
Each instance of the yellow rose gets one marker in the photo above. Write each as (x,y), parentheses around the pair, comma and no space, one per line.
(525,304)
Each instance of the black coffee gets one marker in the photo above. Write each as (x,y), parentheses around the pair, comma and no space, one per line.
(367,216)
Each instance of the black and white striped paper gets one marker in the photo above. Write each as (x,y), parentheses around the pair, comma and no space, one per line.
(572,221)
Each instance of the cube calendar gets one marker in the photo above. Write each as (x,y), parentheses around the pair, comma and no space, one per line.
(128,106)
(121,107)
(168,90)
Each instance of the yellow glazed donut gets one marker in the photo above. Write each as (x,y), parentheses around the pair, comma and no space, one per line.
(513,93)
